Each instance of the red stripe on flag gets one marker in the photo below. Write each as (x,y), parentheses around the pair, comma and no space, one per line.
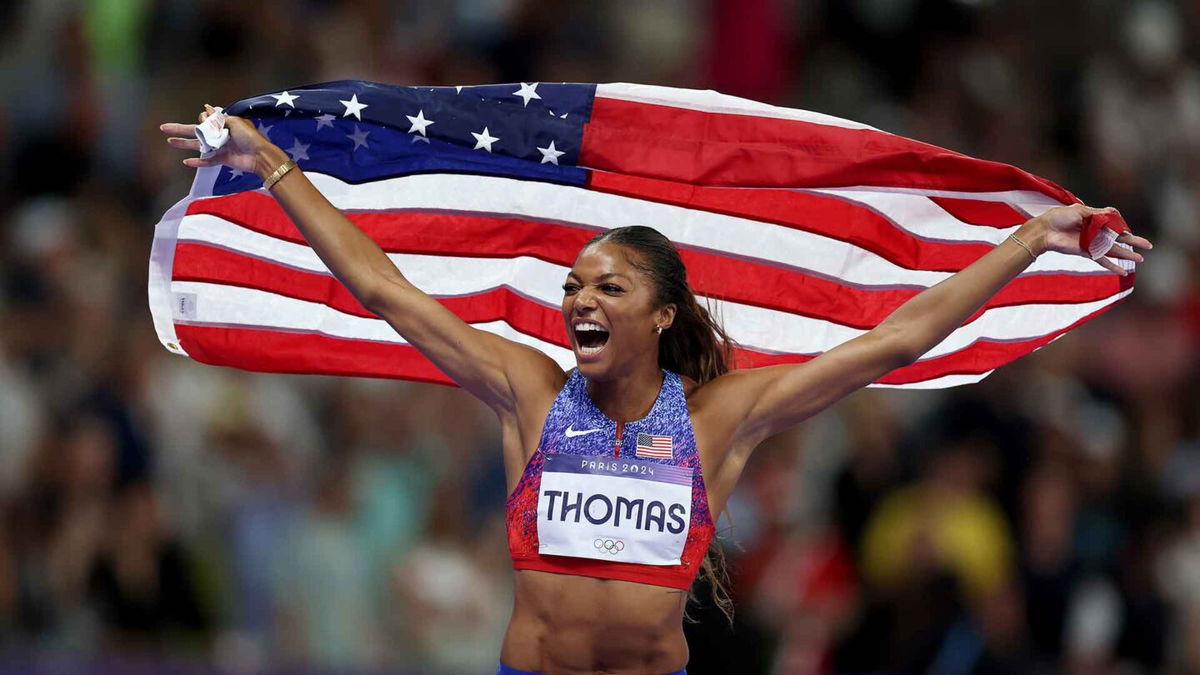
(820,214)
(415,231)
(980,212)
(292,352)
(979,357)
(204,263)
(281,352)
(744,150)
(754,283)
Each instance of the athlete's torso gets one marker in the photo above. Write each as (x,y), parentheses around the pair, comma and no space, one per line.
(565,622)
(613,500)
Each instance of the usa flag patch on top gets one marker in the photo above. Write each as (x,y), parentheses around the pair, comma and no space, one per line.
(654,447)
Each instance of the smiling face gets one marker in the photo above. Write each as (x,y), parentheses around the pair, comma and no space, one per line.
(611,313)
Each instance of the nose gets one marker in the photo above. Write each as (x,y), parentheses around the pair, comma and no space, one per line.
(584,300)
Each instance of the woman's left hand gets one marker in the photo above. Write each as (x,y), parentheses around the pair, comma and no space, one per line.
(1058,230)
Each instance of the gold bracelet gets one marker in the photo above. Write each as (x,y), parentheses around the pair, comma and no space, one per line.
(271,180)
(1023,245)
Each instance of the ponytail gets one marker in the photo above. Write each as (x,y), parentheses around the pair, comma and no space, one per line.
(696,345)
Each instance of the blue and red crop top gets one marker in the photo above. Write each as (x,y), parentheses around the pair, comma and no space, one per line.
(609,500)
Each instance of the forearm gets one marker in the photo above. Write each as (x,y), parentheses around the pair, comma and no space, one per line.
(924,321)
(353,257)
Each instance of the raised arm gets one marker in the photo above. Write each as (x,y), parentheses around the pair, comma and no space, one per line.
(748,406)
(496,370)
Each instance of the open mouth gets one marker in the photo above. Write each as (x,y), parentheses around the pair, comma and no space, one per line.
(591,337)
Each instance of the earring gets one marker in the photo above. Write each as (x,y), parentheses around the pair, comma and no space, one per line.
(658,329)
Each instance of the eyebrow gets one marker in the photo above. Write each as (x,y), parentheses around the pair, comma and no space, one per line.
(602,277)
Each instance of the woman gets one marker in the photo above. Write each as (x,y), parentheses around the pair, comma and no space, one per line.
(618,469)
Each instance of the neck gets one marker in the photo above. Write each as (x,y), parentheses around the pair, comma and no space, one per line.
(628,398)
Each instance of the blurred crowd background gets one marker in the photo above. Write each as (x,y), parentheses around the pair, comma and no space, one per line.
(156,511)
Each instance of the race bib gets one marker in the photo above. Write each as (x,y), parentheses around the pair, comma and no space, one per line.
(623,510)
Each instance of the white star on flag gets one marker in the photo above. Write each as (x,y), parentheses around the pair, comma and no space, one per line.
(265,130)
(325,120)
(484,140)
(235,173)
(551,154)
(353,107)
(285,97)
(359,137)
(419,123)
(527,91)
(298,151)
(458,89)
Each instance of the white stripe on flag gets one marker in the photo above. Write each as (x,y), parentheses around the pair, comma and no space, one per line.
(920,217)
(707,100)
(727,235)
(1016,197)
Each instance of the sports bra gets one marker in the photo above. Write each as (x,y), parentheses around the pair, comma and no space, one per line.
(613,500)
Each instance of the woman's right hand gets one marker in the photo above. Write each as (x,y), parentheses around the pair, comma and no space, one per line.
(239,152)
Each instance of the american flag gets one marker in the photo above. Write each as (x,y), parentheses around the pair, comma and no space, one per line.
(654,447)
(800,230)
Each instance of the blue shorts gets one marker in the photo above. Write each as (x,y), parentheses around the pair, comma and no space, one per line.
(505,670)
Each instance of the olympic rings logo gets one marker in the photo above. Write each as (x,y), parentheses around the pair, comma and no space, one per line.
(612,546)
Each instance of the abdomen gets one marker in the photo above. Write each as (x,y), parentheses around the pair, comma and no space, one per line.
(573,624)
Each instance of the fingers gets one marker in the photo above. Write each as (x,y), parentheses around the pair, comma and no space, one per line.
(1112,266)
(182,136)
(1125,238)
(176,129)
(1135,241)
(199,163)
(184,143)
(1124,254)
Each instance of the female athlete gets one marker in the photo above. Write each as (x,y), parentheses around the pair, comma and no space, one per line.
(618,469)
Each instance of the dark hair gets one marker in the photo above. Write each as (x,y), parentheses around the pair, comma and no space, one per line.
(695,345)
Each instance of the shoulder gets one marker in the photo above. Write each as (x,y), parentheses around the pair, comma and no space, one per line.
(542,379)
(716,405)
(724,407)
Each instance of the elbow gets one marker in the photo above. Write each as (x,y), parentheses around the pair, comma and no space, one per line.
(370,296)
(906,356)
(899,346)
(372,304)
(906,352)
(376,294)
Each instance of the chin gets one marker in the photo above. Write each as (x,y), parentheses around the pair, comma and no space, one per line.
(598,367)
(593,369)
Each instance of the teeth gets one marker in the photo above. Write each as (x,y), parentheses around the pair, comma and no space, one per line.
(590,327)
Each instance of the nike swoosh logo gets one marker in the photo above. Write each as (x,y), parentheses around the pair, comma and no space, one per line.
(571,433)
